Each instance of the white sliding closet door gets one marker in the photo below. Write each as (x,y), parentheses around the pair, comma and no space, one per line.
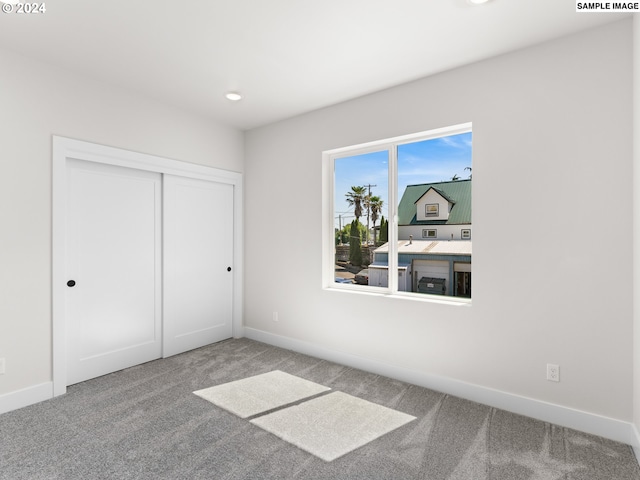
(113,253)
(197,262)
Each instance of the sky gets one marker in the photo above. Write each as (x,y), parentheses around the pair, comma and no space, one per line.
(427,161)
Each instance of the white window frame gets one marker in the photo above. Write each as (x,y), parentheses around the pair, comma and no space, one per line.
(328,234)
(427,231)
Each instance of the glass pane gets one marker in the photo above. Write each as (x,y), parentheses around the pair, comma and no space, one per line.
(361,186)
(434,216)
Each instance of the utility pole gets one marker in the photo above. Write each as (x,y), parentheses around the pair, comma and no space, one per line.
(368,208)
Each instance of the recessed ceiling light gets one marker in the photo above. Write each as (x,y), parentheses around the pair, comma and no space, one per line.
(477,2)
(233,96)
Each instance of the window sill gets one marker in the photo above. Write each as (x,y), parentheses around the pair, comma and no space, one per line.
(412,297)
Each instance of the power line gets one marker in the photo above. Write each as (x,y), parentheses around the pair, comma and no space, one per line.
(368,208)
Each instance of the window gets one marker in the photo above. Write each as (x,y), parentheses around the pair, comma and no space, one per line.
(424,182)
(360,217)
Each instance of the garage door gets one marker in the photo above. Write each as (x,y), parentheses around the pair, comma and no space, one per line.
(430,268)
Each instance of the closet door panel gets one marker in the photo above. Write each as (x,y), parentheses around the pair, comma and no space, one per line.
(113,251)
(197,263)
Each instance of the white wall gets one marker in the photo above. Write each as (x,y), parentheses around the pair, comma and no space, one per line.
(555,118)
(36,102)
(432,197)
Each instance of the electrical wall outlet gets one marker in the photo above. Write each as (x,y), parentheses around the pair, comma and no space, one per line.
(275,317)
(553,372)
(2,366)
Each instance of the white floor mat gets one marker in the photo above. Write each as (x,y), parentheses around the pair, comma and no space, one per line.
(260,393)
(332,425)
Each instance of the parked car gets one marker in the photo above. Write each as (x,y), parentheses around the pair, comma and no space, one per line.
(362,277)
(343,280)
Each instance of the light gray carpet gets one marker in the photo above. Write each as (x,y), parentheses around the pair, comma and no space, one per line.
(145,423)
(260,393)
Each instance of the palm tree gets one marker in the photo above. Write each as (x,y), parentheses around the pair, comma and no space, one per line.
(375,204)
(468,168)
(455,178)
(356,198)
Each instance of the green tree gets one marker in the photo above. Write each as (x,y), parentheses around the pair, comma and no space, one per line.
(375,204)
(355,249)
(384,230)
(345,233)
(355,199)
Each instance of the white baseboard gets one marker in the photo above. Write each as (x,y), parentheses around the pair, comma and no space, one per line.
(25,397)
(636,443)
(606,427)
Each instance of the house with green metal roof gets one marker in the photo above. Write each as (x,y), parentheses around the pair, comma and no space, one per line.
(434,241)
(436,211)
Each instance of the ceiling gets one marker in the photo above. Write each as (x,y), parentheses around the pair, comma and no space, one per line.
(286,57)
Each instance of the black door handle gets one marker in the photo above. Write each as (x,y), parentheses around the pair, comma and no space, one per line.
(71,283)
(228,269)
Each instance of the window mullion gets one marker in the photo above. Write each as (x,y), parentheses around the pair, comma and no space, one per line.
(393,214)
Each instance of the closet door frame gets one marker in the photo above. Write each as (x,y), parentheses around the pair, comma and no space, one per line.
(67,148)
